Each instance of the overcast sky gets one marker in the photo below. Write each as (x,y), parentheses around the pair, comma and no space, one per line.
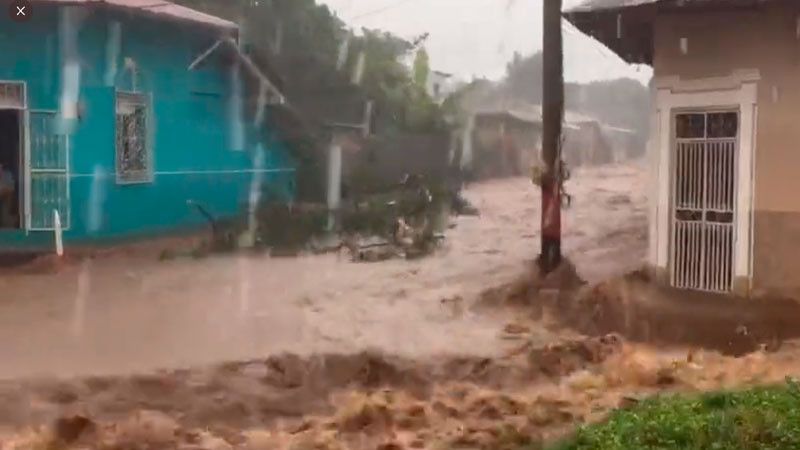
(478,37)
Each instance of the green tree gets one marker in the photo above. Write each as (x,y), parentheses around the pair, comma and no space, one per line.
(302,41)
(421,68)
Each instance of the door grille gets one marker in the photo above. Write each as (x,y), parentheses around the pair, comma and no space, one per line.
(704,195)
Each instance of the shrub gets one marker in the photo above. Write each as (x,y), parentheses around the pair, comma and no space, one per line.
(760,418)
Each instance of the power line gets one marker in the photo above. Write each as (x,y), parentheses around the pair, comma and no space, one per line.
(382,9)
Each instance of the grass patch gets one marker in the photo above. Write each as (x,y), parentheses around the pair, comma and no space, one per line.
(760,418)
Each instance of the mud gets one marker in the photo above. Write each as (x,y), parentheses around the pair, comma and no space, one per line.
(123,311)
(642,311)
(370,400)
(245,394)
(390,355)
(355,396)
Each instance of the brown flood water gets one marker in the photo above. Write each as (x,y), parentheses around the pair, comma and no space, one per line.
(387,355)
(122,314)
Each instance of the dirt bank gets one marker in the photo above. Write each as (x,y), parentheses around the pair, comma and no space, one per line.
(641,311)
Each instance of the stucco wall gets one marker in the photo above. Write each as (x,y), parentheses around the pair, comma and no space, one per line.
(764,39)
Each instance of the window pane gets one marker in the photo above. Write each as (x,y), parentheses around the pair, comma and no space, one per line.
(690,125)
(722,125)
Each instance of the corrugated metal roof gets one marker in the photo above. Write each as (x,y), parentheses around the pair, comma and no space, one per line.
(600,5)
(526,112)
(595,5)
(162,8)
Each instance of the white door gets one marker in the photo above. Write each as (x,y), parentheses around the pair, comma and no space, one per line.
(704,200)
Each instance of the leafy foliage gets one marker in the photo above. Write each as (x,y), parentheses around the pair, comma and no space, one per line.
(761,418)
(303,42)
(422,67)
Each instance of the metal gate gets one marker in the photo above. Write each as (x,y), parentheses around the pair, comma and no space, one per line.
(48,174)
(704,200)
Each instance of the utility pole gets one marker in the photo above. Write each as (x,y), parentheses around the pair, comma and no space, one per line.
(552,115)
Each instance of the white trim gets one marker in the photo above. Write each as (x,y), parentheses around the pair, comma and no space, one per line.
(27,181)
(739,90)
(196,172)
(753,197)
(653,193)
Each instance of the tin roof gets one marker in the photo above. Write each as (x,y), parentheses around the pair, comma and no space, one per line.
(160,8)
(595,5)
(626,26)
(529,113)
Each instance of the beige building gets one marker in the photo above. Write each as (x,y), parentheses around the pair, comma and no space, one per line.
(725,213)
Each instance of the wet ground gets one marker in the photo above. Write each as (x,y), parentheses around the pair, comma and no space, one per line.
(121,314)
(465,349)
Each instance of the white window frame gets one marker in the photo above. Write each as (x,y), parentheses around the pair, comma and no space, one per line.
(147,102)
(738,90)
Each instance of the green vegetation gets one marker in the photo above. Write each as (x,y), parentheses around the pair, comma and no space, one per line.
(328,73)
(761,418)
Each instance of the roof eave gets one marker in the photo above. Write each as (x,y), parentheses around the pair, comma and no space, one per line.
(199,18)
(627,31)
(626,27)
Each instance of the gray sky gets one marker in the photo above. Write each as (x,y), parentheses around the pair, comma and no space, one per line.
(478,37)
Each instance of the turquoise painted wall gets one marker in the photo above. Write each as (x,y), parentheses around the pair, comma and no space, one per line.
(191,130)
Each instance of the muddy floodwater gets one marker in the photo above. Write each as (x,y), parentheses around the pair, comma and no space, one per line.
(132,313)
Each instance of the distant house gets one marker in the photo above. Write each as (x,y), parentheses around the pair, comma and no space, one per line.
(725,216)
(439,85)
(505,140)
(118,115)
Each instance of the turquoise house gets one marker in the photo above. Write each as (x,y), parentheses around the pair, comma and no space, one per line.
(117,117)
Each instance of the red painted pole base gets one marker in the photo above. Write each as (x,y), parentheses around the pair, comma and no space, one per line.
(550,257)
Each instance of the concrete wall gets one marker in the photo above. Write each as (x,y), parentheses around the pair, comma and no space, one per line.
(191,126)
(765,39)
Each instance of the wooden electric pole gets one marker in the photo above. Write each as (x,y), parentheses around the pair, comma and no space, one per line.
(552,115)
